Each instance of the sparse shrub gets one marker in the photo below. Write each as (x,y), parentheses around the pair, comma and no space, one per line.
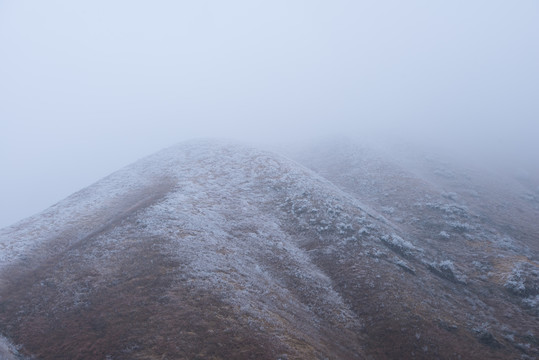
(532,303)
(398,244)
(523,280)
(389,210)
(483,267)
(363,231)
(444,235)
(447,270)
(450,195)
(506,242)
(404,265)
(447,325)
(447,265)
(450,210)
(483,334)
(515,283)
(345,229)
(460,227)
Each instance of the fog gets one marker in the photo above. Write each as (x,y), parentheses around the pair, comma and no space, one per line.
(87,87)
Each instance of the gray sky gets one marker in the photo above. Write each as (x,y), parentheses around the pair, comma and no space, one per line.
(89,86)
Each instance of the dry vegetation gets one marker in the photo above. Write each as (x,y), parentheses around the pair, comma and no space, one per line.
(215,251)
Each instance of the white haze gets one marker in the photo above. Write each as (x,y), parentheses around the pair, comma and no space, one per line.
(89,86)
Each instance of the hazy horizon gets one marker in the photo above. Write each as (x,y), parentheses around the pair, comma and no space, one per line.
(89,87)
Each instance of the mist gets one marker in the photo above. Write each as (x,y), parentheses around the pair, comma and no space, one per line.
(88,87)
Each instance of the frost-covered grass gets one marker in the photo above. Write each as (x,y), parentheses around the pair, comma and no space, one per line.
(8,351)
(278,242)
(217,213)
(221,212)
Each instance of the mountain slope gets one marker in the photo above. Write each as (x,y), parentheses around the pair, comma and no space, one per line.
(214,250)
(477,228)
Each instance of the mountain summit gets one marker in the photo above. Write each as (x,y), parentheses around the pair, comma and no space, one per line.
(212,250)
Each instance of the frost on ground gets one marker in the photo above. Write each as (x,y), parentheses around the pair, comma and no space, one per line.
(216,250)
(472,226)
(215,210)
(8,351)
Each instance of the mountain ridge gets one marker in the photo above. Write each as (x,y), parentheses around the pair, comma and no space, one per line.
(217,250)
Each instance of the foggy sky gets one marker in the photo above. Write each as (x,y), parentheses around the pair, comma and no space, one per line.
(87,87)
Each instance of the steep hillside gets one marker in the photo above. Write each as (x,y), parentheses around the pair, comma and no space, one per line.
(219,251)
(478,228)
